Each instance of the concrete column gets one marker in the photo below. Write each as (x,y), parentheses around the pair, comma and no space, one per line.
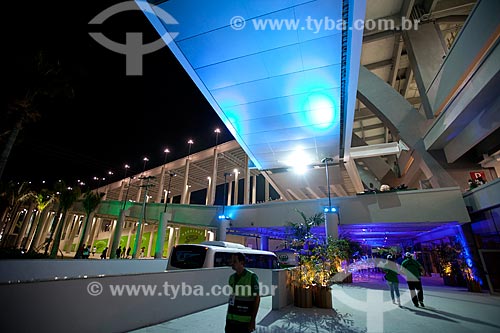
(47,226)
(266,190)
(76,225)
(122,190)
(254,190)
(170,243)
(42,226)
(332,225)
(114,225)
(25,225)
(246,192)
(223,226)
(34,226)
(150,245)
(402,118)
(207,197)
(236,186)
(93,231)
(185,182)
(426,53)
(188,198)
(139,190)
(87,231)
(264,243)
(213,186)
(68,223)
(117,234)
(130,232)
(177,235)
(159,194)
(160,238)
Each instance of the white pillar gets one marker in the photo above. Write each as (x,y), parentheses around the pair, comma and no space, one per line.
(229,193)
(150,245)
(332,225)
(213,185)
(171,232)
(236,185)
(246,192)
(160,185)
(185,183)
(223,226)
(254,190)
(207,197)
(266,190)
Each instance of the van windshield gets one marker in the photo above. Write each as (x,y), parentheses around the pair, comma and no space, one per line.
(188,256)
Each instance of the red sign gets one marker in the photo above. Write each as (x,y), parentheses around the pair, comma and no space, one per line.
(476,174)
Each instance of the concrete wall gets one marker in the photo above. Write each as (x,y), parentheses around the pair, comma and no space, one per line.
(397,207)
(50,269)
(69,306)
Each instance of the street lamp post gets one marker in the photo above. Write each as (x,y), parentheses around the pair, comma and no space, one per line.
(126,167)
(146,160)
(171,174)
(190,143)
(326,160)
(224,198)
(138,233)
(217,132)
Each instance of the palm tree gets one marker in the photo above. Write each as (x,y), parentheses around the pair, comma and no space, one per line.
(67,196)
(90,202)
(47,82)
(10,196)
(43,200)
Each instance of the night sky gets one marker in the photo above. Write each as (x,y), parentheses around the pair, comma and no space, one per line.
(113,118)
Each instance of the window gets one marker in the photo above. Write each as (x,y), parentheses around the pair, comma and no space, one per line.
(188,256)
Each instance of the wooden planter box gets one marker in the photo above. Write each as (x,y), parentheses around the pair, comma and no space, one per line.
(322,297)
(303,297)
(473,286)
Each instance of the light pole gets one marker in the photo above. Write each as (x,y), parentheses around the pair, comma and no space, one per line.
(190,143)
(166,151)
(326,160)
(224,198)
(146,160)
(126,167)
(138,233)
(217,132)
(171,174)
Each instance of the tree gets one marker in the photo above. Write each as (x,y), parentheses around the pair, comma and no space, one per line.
(90,202)
(12,195)
(45,81)
(67,196)
(43,200)
(301,231)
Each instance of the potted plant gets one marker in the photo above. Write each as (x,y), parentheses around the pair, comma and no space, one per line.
(320,263)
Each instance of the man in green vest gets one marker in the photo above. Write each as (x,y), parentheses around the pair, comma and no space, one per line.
(244,299)
(413,271)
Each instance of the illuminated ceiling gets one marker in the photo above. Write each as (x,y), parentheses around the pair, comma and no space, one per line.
(286,94)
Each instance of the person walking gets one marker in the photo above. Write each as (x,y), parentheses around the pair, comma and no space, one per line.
(118,252)
(413,271)
(390,269)
(104,253)
(244,299)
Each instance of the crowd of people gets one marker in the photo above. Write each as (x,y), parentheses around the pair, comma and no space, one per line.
(85,251)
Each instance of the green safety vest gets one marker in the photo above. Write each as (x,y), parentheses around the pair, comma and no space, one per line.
(244,291)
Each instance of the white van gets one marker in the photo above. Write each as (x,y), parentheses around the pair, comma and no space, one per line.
(218,254)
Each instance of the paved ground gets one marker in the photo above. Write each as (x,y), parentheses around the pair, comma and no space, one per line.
(364,306)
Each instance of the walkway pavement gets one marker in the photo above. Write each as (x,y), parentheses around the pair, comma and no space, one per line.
(363,306)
